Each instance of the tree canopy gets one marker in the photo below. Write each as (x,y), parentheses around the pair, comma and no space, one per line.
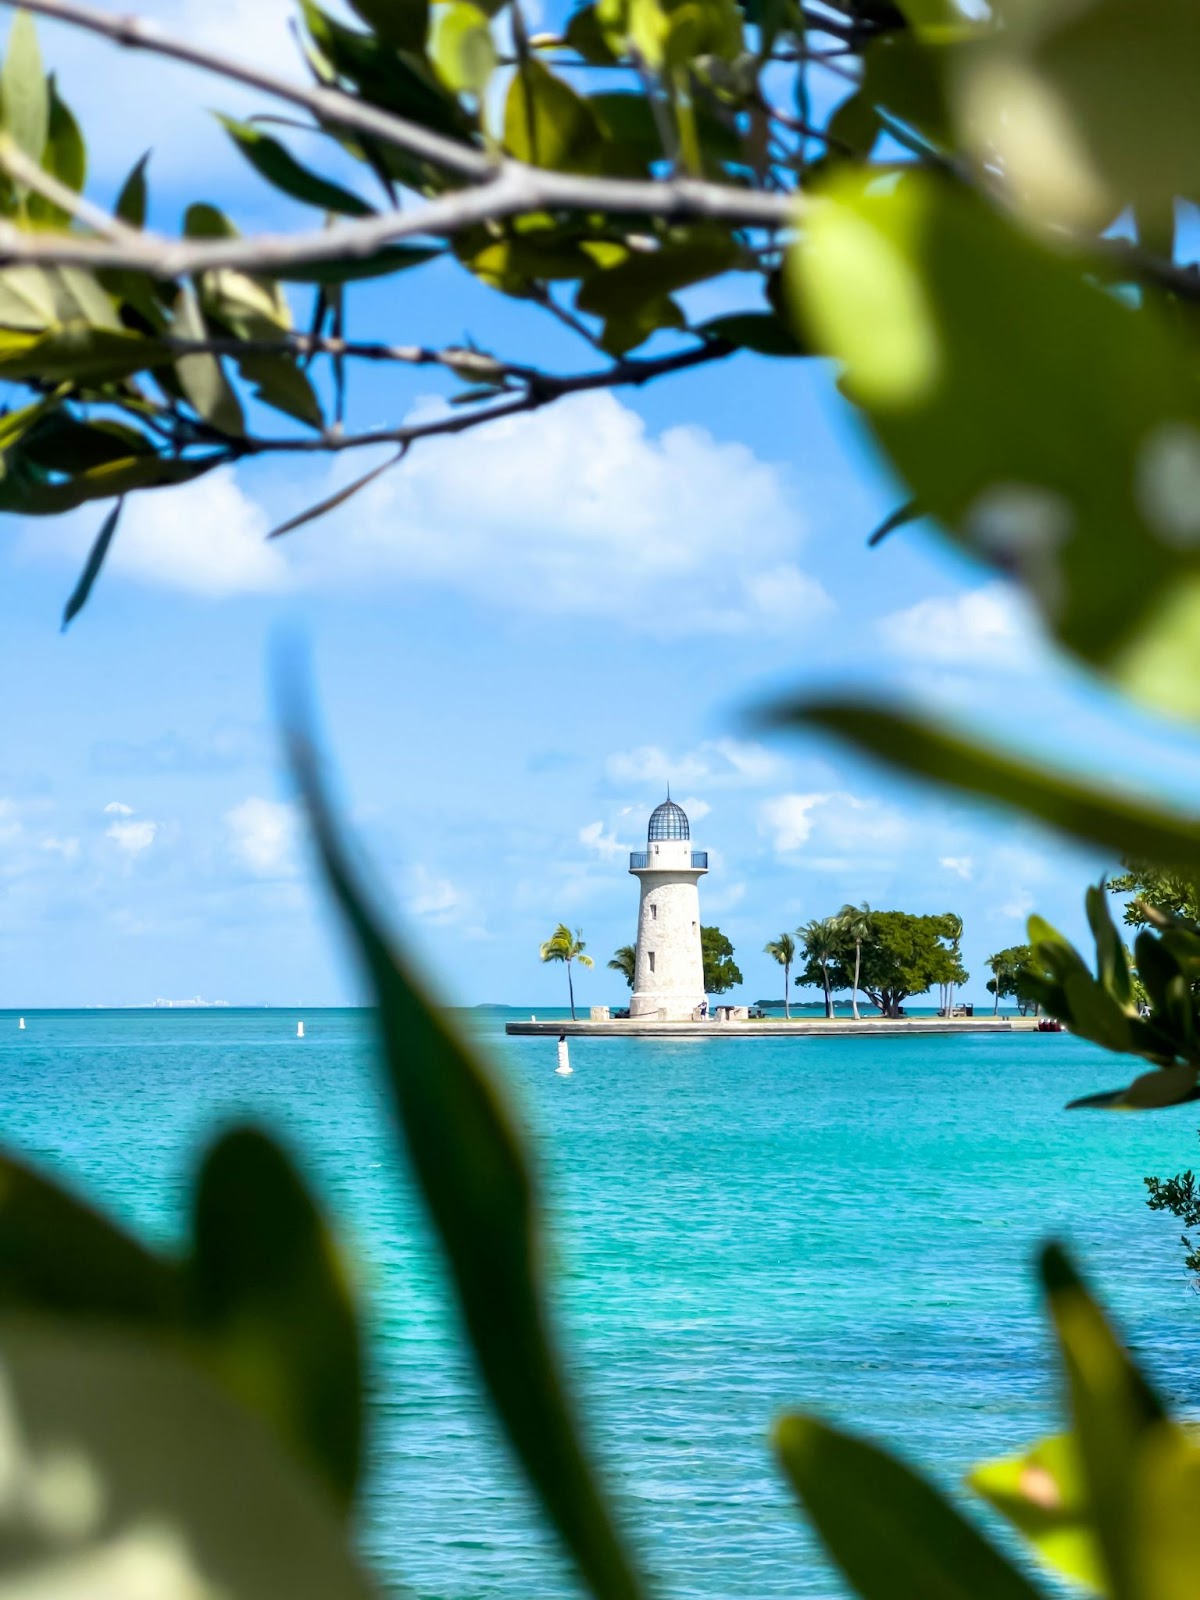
(721,972)
(1008,967)
(905,955)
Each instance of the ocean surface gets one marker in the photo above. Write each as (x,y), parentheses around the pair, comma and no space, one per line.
(735,1228)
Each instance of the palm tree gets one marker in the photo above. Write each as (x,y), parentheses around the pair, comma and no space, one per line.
(821,939)
(624,960)
(954,932)
(784,951)
(563,945)
(855,921)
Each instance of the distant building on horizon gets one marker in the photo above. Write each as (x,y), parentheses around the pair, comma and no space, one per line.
(668,977)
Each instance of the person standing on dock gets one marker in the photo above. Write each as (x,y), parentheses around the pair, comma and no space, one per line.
(563,1068)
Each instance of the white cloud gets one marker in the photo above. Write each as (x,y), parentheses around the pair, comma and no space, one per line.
(696,809)
(788,819)
(717,763)
(262,835)
(983,627)
(118,808)
(133,838)
(604,844)
(962,866)
(582,509)
(432,898)
(68,849)
(841,826)
(206,538)
(1018,905)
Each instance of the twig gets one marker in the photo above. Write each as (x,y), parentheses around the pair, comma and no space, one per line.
(542,389)
(24,171)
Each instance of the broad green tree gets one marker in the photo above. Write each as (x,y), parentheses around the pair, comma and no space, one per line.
(783,950)
(905,956)
(855,922)
(721,972)
(1006,967)
(624,961)
(567,947)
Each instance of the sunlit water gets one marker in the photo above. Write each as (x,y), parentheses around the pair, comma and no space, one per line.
(735,1227)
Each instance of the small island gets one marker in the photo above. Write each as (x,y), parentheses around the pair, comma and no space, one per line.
(666,968)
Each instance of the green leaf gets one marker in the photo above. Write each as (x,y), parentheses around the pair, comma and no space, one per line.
(29,494)
(204,221)
(91,570)
(398,80)
(547,124)
(202,376)
(1040,1491)
(171,1488)
(65,159)
(281,383)
(469,1161)
(275,162)
(1113,963)
(60,1257)
(891,1533)
(24,91)
(462,49)
(586,37)
(78,354)
(1075,808)
(760,331)
(1113,1411)
(1118,138)
(403,23)
(61,443)
(1095,1014)
(1061,446)
(382,264)
(269,1293)
(27,298)
(634,296)
(1152,1091)
(333,501)
(910,511)
(131,202)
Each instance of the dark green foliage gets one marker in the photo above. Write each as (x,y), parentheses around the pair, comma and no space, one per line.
(905,955)
(1179,1196)
(624,961)
(721,972)
(1008,967)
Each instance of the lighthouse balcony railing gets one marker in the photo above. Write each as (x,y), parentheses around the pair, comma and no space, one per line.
(639,860)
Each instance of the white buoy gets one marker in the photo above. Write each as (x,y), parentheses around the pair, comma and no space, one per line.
(564,1068)
(299,1030)
(21,1024)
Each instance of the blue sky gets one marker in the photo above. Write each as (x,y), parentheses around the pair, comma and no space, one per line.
(518,638)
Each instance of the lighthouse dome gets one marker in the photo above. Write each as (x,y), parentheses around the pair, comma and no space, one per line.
(668,821)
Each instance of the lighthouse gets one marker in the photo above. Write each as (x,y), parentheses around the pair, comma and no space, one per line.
(668,979)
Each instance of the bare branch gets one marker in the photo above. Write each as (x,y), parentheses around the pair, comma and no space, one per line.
(540,389)
(514,189)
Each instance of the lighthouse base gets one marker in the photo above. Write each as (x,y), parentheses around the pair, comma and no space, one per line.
(662,1006)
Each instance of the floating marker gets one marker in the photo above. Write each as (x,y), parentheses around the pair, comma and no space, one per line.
(299,1030)
(21,1024)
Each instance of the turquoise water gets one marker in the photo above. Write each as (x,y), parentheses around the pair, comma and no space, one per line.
(735,1227)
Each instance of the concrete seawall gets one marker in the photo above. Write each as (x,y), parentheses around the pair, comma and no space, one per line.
(797,1028)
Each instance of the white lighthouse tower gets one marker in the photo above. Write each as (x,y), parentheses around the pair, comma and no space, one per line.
(668,979)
